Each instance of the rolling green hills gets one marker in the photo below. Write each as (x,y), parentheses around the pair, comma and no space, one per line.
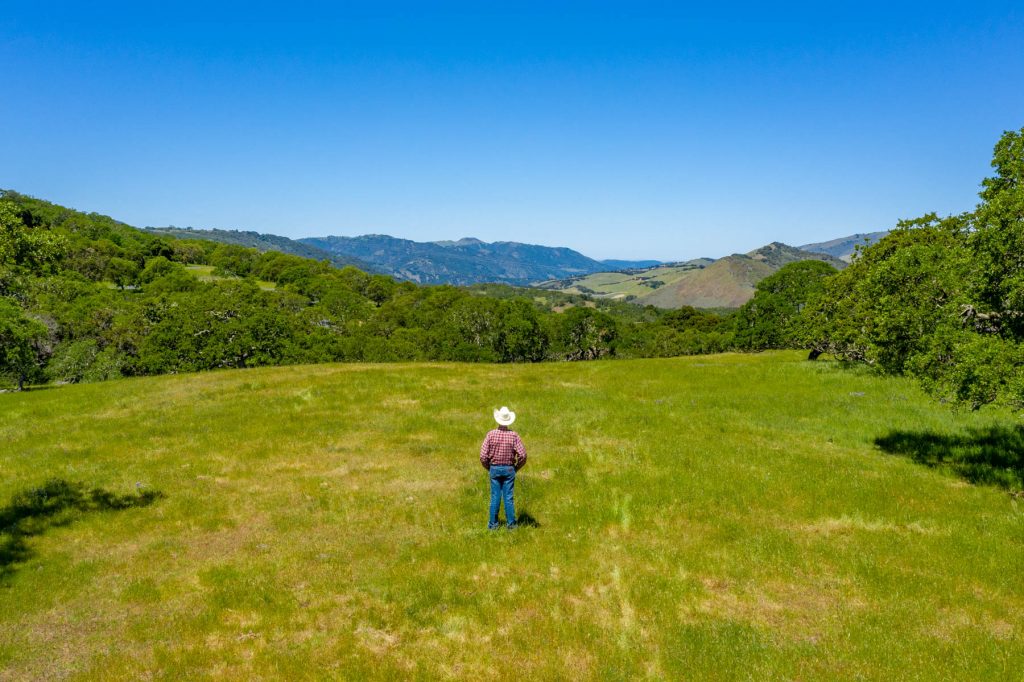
(626,284)
(702,283)
(263,243)
(717,517)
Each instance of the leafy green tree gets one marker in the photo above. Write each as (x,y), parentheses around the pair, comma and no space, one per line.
(122,272)
(20,343)
(886,307)
(12,229)
(380,288)
(582,333)
(35,248)
(174,280)
(159,266)
(468,331)
(771,318)
(159,247)
(190,251)
(688,317)
(72,360)
(233,260)
(940,299)
(982,359)
(519,335)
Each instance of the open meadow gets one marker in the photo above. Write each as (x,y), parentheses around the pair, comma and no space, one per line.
(711,517)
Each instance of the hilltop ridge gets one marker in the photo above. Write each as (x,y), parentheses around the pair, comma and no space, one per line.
(843,248)
(263,242)
(465,261)
(701,282)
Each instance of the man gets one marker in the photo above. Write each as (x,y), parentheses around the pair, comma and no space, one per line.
(502,454)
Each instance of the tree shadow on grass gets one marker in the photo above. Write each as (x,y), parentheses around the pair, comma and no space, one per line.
(54,504)
(991,456)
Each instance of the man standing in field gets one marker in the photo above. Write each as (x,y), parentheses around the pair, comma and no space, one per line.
(502,454)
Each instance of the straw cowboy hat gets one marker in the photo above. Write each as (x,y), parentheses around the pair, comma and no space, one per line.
(504,416)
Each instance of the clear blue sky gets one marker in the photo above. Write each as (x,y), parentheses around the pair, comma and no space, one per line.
(623,130)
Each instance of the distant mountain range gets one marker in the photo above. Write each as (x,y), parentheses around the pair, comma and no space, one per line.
(843,248)
(466,261)
(704,282)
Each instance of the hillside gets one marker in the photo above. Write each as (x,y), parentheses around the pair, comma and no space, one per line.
(625,284)
(725,283)
(843,248)
(729,282)
(263,243)
(86,298)
(466,261)
(681,521)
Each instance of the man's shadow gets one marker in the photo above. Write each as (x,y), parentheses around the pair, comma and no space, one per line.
(526,520)
(54,504)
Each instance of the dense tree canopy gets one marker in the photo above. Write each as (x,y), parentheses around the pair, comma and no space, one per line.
(940,299)
(20,343)
(772,318)
(87,298)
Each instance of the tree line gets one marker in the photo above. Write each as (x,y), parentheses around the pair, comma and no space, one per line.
(84,297)
(938,299)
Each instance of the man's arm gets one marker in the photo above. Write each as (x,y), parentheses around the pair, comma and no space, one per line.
(520,451)
(485,452)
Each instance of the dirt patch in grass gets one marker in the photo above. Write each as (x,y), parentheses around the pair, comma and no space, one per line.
(796,611)
(850,524)
(952,622)
(227,542)
(376,640)
(400,402)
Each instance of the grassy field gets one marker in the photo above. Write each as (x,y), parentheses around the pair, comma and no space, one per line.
(619,285)
(204,273)
(716,517)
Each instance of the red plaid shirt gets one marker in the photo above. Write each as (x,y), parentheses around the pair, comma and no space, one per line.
(502,448)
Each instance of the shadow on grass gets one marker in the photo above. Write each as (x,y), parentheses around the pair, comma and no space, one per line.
(56,503)
(526,520)
(992,456)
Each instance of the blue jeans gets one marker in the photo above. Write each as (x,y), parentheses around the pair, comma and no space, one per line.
(503,481)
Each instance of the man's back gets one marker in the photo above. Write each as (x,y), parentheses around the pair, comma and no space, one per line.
(502,447)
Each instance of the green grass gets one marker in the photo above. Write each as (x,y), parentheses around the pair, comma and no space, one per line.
(717,517)
(204,273)
(618,285)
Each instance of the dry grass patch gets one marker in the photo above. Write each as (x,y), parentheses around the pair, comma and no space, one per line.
(849,524)
(808,611)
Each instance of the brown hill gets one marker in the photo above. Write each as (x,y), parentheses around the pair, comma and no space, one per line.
(730,282)
(726,283)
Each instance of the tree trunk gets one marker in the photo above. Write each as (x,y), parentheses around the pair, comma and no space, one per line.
(21,382)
